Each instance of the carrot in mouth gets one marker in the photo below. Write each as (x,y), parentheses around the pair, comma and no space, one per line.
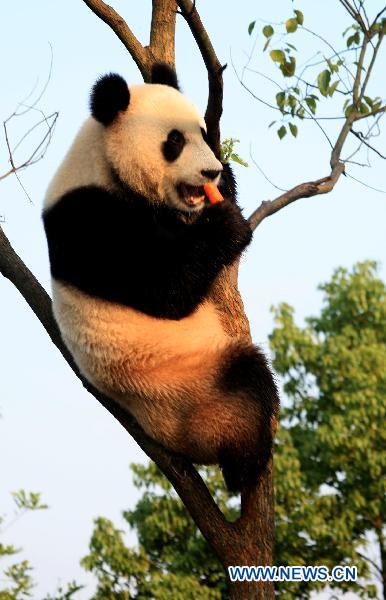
(212,193)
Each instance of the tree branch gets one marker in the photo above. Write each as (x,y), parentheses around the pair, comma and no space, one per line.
(122,30)
(183,476)
(162,31)
(214,68)
(364,141)
(304,190)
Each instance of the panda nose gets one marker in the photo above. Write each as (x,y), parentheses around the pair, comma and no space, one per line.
(210,174)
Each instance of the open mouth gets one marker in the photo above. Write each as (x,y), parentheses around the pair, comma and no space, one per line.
(192,195)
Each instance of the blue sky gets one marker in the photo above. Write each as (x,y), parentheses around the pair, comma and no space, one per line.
(54,437)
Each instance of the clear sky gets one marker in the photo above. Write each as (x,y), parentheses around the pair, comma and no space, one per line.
(54,437)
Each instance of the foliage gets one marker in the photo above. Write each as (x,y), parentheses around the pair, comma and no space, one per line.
(17,582)
(172,559)
(228,152)
(335,71)
(328,463)
(17,576)
(335,380)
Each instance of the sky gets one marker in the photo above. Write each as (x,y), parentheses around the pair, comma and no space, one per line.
(54,437)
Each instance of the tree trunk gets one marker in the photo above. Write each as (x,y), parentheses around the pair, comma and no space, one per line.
(256,538)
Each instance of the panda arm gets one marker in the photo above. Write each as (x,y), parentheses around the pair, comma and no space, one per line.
(121,250)
(222,233)
(191,259)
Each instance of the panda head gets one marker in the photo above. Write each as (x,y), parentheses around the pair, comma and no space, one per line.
(155,139)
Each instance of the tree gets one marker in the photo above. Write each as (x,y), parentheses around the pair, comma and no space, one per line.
(248,540)
(328,470)
(334,374)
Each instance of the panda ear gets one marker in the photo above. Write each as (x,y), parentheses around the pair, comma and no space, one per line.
(109,95)
(163,73)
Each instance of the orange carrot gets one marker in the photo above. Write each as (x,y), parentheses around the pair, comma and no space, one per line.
(212,192)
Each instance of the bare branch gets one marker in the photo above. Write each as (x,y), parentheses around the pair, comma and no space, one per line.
(371,65)
(38,152)
(373,113)
(304,190)
(114,20)
(364,141)
(378,16)
(214,68)
(354,14)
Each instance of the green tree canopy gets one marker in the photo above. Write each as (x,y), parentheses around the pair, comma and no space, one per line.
(334,371)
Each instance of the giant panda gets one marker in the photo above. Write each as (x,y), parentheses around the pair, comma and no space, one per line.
(135,248)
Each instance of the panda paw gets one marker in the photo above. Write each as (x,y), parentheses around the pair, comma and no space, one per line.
(226,222)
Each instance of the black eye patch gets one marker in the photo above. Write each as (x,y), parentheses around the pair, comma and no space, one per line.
(174,145)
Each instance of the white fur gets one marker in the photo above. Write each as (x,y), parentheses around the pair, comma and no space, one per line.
(142,361)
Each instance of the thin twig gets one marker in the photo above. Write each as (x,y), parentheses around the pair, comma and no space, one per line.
(364,141)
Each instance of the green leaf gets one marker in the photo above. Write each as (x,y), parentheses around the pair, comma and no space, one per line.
(324,81)
(277,56)
(288,68)
(299,16)
(294,129)
(280,100)
(353,39)
(333,68)
(369,101)
(291,25)
(237,159)
(282,132)
(364,109)
(268,31)
(251,27)
(311,103)
(332,88)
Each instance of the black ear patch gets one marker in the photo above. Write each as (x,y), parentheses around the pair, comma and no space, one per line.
(109,95)
(162,73)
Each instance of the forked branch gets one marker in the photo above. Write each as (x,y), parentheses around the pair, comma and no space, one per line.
(214,69)
(114,20)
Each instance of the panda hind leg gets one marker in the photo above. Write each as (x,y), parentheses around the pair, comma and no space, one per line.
(248,376)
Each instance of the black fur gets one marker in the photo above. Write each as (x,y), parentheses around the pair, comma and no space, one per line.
(228,187)
(174,145)
(109,95)
(162,73)
(246,369)
(122,249)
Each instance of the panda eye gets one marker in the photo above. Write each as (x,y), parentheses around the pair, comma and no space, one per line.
(176,137)
(174,145)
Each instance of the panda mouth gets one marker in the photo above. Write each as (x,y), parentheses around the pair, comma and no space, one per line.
(192,195)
